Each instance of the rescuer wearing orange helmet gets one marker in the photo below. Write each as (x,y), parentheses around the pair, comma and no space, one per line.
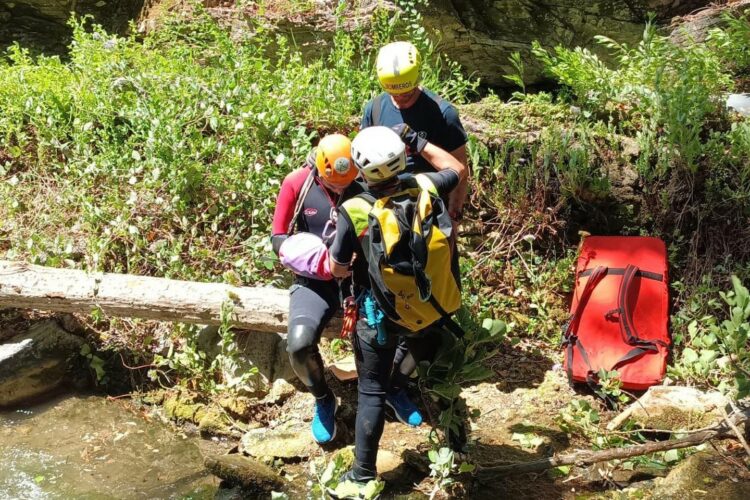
(303,221)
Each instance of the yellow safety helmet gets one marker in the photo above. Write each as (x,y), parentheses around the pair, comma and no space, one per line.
(398,67)
(333,159)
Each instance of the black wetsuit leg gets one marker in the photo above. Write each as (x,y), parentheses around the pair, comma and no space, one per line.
(311,305)
(374,363)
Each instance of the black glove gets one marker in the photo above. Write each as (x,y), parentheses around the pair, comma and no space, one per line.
(413,142)
(276,241)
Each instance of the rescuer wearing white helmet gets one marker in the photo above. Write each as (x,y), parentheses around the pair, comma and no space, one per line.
(435,120)
(380,155)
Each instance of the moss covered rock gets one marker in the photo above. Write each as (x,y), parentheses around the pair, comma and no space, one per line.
(253,476)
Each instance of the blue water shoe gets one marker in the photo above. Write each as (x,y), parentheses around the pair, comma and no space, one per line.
(406,411)
(324,421)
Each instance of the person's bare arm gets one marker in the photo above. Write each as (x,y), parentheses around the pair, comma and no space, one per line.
(457,198)
(441,159)
(340,270)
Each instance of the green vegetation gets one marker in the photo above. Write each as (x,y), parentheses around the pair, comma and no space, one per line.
(162,156)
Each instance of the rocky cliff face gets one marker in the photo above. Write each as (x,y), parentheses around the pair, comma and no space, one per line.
(479,34)
(41,24)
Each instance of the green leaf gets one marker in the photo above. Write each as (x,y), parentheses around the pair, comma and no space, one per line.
(328,474)
(564,469)
(447,391)
(466,467)
(372,489)
(689,356)
(347,489)
(475,372)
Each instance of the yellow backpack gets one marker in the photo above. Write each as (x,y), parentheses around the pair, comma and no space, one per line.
(407,238)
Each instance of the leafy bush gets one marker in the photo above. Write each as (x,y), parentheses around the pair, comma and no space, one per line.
(718,353)
(662,92)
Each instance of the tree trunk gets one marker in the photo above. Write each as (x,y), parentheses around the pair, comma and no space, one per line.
(26,286)
(588,457)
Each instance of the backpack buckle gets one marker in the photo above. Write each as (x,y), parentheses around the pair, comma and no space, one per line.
(610,315)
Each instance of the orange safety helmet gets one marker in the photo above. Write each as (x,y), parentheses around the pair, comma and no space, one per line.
(333,159)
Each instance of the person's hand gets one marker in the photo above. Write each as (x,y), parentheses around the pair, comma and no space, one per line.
(410,138)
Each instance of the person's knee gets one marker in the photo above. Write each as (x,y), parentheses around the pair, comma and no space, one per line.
(301,340)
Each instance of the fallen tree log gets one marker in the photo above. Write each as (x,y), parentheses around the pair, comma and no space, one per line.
(26,286)
(587,457)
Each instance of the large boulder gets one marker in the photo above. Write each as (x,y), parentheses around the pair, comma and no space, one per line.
(36,363)
(290,440)
(702,474)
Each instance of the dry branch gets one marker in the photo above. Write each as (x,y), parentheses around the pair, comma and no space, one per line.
(588,457)
(26,286)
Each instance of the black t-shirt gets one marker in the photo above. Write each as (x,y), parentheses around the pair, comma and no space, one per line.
(346,243)
(432,117)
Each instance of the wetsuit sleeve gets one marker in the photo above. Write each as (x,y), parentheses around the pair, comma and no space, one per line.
(284,211)
(454,133)
(367,116)
(445,181)
(345,241)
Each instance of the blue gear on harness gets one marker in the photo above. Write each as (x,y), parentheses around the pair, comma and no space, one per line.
(374,317)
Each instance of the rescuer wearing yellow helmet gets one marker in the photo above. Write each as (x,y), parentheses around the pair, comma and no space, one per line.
(431,118)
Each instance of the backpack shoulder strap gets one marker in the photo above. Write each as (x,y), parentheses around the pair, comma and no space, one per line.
(358,210)
(377,105)
(301,200)
(425,183)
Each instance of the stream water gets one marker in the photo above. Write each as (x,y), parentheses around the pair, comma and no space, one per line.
(89,448)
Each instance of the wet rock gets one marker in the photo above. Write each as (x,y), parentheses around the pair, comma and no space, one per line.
(154,397)
(36,362)
(290,440)
(182,406)
(674,408)
(253,476)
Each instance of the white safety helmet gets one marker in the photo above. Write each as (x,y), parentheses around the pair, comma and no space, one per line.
(379,154)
